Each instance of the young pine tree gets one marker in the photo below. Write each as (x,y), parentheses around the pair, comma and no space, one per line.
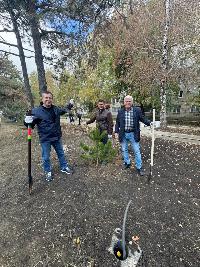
(97,152)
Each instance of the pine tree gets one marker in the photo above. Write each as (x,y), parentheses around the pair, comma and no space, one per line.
(98,152)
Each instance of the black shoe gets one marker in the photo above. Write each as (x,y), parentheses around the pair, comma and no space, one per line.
(140,172)
(127,166)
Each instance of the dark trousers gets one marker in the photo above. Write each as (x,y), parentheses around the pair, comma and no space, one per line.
(71,118)
(79,120)
(104,140)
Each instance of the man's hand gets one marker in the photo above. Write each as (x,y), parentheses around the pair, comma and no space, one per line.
(28,119)
(152,124)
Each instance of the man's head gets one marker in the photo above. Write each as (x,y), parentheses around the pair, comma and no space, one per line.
(47,99)
(101,104)
(128,102)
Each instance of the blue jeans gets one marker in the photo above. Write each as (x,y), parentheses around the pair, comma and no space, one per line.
(129,137)
(46,149)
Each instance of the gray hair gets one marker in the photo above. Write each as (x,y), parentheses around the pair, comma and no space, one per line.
(128,97)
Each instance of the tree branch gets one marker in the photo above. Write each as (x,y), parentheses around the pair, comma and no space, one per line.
(6,30)
(11,53)
(43,32)
(2,38)
(5,17)
(2,42)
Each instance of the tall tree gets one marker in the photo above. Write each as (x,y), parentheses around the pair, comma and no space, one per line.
(156,49)
(68,23)
(163,97)
(21,56)
(12,99)
(13,17)
(33,21)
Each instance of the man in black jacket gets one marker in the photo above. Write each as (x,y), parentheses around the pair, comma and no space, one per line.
(47,119)
(70,106)
(127,128)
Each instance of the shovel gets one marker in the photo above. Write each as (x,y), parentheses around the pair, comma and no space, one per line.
(29,137)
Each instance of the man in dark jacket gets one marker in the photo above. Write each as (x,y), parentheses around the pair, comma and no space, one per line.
(104,121)
(127,128)
(70,106)
(47,119)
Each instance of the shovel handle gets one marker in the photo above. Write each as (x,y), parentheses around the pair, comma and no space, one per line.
(30,180)
(153,138)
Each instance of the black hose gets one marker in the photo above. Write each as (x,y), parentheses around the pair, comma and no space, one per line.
(123,230)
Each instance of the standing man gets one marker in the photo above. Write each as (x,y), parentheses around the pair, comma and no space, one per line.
(47,118)
(79,114)
(70,110)
(127,128)
(104,120)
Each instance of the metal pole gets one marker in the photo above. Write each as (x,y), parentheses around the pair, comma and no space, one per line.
(152,147)
(30,180)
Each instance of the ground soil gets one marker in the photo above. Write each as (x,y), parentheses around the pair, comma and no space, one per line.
(43,229)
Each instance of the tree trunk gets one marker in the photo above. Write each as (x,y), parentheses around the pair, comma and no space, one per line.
(36,36)
(22,58)
(163,98)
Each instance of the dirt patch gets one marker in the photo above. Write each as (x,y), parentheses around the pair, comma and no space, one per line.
(42,229)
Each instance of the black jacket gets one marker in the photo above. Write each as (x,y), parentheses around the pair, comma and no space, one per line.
(48,123)
(137,117)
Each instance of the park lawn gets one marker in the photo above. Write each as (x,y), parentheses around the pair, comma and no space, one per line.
(43,229)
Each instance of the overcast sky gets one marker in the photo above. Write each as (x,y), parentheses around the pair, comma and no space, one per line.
(30,62)
(10,38)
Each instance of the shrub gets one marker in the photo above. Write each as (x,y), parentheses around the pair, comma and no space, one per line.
(97,152)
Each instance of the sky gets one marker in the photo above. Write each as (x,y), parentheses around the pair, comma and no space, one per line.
(10,38)
(70,26)
(30,62)
(31,66)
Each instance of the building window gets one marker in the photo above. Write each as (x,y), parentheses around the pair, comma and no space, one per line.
(194,109)
(176,109)
(180,93)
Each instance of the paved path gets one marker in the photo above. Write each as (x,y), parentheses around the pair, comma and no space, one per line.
(177,137)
